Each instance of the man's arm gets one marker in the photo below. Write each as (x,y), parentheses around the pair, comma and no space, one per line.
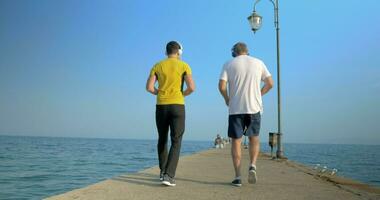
(150,85)
(223,90)
(268,84)
(190,85)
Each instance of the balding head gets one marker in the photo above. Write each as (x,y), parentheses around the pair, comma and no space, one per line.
(239,48)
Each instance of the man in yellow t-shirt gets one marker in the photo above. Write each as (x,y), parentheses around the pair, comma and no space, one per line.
(170,74)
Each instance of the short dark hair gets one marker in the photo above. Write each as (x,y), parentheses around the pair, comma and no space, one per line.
(239,48)
(172,47)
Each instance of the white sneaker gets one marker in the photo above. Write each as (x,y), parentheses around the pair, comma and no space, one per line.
(252,177)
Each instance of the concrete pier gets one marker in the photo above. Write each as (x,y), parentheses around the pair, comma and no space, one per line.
(207,175)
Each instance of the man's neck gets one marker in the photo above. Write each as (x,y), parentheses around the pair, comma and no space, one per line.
(173,56)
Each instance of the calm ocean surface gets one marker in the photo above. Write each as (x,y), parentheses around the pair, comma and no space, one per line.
(38,167)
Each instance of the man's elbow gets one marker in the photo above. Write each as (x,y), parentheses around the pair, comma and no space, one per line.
(222,90)
(149,89)
(270,85)
(191,88)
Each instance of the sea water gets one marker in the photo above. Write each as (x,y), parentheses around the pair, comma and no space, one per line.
(38,167)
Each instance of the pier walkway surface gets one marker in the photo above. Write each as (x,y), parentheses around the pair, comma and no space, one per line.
(207,175)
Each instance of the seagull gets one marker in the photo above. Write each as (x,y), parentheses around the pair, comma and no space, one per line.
(324,169)
(333,172)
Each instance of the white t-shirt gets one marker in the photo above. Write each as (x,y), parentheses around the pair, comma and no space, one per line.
(244,75)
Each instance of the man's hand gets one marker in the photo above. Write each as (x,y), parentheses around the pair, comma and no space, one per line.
(223,91)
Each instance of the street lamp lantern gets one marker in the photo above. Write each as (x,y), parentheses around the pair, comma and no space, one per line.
(255,21)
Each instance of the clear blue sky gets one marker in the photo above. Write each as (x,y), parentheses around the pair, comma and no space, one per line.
(78,68)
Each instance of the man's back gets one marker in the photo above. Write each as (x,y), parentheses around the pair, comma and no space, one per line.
(170,75)
(244,75)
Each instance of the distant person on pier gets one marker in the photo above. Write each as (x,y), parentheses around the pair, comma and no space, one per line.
(170,73)
(219,143)
(243,75)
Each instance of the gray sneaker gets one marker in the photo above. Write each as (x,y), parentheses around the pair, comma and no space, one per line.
(168,181)
(161,176)
(252,177)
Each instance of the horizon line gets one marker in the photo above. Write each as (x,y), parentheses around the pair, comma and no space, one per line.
(193,140)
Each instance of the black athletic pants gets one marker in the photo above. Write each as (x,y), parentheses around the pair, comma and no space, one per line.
(169,116)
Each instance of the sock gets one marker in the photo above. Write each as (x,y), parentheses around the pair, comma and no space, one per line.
(254,166)
(238,177)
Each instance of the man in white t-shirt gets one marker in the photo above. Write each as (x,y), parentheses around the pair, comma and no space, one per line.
(244,75)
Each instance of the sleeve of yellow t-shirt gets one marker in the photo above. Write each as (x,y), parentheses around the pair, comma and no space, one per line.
(187,69)
(153,70)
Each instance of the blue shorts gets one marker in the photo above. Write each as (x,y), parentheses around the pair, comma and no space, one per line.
(244,124)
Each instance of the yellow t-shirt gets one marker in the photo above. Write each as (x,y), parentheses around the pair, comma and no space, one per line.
(170,75)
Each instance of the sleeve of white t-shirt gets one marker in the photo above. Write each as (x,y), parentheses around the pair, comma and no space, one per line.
(265,73)
(223,75)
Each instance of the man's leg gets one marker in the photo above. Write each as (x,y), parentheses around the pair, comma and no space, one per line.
(162,124)
(253,121)
(235,131)
(254,149)
(236,155)
(177,128)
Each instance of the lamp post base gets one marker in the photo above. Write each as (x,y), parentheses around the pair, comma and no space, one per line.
(280,150)
(280,155)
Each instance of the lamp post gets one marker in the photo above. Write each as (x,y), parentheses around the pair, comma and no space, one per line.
(255,21)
